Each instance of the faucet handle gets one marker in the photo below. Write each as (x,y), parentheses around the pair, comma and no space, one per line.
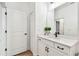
(55,34)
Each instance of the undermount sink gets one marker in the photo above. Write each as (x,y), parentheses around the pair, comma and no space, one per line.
(59,37)
(53,36)
(66,40)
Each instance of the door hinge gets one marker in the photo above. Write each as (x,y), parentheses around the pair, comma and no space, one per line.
(5,49)
(5,31)
(5,13)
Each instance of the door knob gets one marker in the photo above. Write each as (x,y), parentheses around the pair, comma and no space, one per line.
(25,33)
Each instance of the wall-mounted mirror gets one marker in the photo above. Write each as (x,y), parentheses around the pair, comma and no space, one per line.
(60,26)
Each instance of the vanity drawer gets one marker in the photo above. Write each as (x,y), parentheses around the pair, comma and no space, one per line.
(62,48)
(46,41)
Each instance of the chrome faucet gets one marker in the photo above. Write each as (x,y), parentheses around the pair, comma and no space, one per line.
(55,34)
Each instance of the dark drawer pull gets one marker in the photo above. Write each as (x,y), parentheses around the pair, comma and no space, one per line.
(60,48)
(45,48)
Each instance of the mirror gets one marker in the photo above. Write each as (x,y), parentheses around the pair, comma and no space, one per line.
(60,26)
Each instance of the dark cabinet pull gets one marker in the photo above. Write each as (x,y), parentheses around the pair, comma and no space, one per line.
(57,46)
(60,48)
(46,49)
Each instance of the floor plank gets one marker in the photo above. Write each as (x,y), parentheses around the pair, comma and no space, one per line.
(25,53)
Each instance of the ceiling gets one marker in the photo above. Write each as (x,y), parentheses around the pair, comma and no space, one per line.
(55,4)
(24,6)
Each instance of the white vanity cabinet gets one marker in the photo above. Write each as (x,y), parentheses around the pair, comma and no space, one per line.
(51,48)
(44,49)
(47,48)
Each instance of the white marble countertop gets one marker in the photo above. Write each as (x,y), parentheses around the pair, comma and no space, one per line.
(65,40)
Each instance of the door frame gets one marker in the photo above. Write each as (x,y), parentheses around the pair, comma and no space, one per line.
(29,30)
(4,29)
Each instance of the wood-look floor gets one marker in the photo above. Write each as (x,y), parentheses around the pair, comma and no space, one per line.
(26,53)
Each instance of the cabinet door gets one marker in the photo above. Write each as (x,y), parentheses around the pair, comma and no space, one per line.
(50,51)
(41,48)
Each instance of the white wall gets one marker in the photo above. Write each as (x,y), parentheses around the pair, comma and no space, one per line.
(39,23)
(50,20)
(70,14)
(21,6)
(41,13)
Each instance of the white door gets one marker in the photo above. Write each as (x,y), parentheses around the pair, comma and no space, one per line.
(16,32)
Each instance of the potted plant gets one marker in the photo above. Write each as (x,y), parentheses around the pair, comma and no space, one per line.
(47,30)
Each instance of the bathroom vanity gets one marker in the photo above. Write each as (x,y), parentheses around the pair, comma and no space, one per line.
(60,46)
